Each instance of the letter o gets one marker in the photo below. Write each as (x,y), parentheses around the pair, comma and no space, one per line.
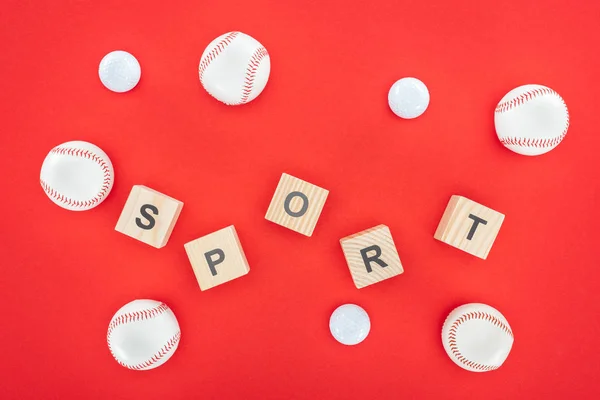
(288,200)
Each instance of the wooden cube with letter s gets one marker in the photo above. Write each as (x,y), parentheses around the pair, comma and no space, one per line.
(217,258)
(371,256)
(469,226)
(149,216)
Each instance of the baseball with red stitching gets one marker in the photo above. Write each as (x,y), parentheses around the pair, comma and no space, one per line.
(234,68)
(77,175)
(143,334)
(477,337)
(531,120)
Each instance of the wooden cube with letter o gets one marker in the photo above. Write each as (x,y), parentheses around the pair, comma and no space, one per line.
(217,258)
(149,216)
(297,204)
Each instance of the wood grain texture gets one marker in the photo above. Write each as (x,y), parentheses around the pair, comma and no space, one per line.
(233,265)
(306,223)
(455,226)
(168,213)
(378,236)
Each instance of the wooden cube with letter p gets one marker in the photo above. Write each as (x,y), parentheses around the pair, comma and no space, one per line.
(149,216)
(371,256)
(297,204)
(469,226)
(217,258)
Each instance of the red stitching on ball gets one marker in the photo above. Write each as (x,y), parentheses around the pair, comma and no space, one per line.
(453,332)
(136,316)
(158,355)
(547,142)
(90,156)
(132,317)
(205,62)
(524,98)
(251,70)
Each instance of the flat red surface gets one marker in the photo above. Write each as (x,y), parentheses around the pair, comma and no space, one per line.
(324,118)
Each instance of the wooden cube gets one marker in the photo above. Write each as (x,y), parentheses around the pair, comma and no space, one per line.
(217,258)
(149,216)
(469,226)
(297,204)
(371,256)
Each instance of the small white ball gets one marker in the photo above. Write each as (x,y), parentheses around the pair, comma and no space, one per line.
(119,71)
(349,324)
(408,98)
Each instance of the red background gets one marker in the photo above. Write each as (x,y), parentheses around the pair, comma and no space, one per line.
(323,117)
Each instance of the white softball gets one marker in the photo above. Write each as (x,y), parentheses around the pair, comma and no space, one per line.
(143,334)
(77,175)
(477,337)
(234,68)
(119,71)
(408,98)
(349,324)
(531,120)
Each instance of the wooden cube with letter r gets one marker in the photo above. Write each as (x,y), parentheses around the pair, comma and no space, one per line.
(149,216)
(297,204)
(217,258)
(469,226)
(371,256)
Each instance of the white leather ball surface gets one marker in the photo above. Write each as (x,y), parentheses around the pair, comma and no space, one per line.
(77,175)
(143,334)
(234,68)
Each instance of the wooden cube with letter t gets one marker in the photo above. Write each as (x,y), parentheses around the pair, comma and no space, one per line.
(371,256)
(469,226)
(149,216)
(217,258)
(297,204)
